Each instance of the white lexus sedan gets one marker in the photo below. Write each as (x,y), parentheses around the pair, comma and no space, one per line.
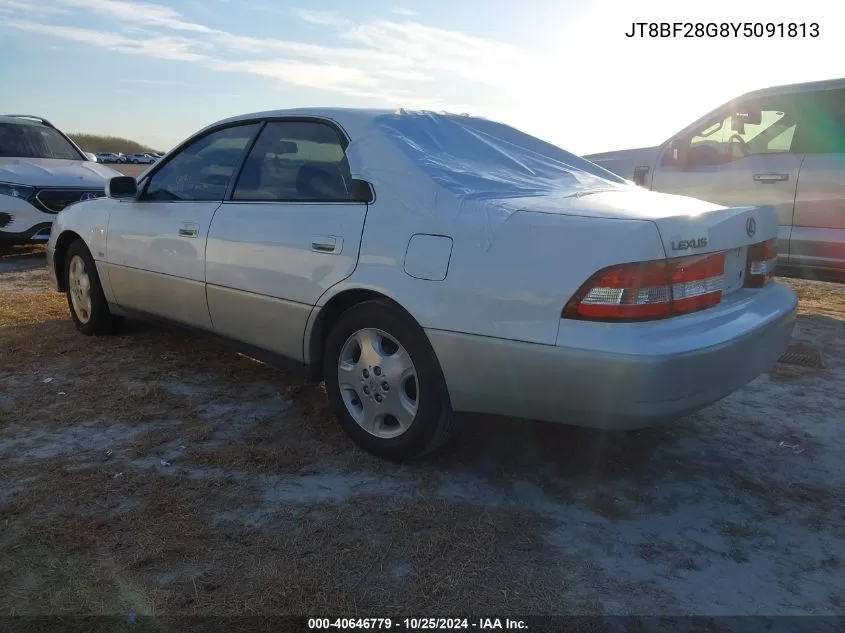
(424,264)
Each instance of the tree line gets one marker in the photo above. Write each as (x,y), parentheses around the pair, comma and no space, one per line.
(95,143)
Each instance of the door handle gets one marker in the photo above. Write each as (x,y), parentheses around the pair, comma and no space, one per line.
(326,244)
(770,177)
(189,229)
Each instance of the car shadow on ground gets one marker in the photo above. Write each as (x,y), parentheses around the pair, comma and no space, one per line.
(21,258)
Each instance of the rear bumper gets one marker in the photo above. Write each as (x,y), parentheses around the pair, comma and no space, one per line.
(621,376)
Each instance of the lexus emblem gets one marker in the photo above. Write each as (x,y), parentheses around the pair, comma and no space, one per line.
(751,227)
(87,196)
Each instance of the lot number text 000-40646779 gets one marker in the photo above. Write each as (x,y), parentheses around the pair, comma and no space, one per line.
(723,29)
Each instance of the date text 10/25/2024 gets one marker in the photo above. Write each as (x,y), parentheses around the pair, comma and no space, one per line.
(417,624)
(723,29)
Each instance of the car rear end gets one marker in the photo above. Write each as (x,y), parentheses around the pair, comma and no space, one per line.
(660,312)
(664,337)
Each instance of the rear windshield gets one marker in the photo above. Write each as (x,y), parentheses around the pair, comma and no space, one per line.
(478,158)
(22,140)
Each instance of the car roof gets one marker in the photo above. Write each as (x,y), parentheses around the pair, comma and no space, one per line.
(827,84)
(316,111)
(20,120)
(337,114)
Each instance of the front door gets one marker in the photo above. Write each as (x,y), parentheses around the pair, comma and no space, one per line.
(156,243)
(289,233)
(741,157)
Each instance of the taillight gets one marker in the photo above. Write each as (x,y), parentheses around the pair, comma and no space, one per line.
(760,264)
(645,291)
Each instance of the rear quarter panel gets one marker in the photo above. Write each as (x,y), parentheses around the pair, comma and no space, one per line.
(508,276)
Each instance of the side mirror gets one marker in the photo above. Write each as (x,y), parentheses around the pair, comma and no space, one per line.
(362,191)
(91,157)
(121,187)
(286,147)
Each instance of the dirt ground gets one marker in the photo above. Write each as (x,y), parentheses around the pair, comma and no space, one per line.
(156,473)
(128,169)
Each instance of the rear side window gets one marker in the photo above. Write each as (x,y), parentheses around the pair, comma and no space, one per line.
(480,159)
(295,161)
(202,170)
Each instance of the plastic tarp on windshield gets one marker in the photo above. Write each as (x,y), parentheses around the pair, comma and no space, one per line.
(479,159)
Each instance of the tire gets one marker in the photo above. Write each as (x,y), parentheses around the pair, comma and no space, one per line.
(424,418)
(88,306)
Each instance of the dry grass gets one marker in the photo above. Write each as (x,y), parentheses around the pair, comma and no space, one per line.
(159,473)
(817,298)
(22,251)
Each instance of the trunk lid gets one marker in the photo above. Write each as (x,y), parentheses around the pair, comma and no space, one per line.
(687,226)
(730,230)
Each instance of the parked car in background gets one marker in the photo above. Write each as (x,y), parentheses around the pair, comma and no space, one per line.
(782,146)
(139,159)
(41,172)
(106,157)
(424,263)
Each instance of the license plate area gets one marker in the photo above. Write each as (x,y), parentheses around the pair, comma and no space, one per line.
(735,269)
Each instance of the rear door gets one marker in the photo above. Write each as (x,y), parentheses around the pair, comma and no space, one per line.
(818,235)
(156,243)
(289,232)
(741,156)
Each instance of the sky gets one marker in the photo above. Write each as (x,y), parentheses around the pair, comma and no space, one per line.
(563,70)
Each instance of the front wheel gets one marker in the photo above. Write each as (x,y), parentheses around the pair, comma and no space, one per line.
(385,384)
(88,306)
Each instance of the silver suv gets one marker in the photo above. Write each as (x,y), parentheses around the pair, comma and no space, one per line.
(42,171)
(783,147)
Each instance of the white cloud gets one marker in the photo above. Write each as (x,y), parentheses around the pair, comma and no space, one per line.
(138,13)
(383,60)
(155,82)
(172,48)
(21,6)
(321,18)
(406,75)
(403,11)
(340,78)
(469,57)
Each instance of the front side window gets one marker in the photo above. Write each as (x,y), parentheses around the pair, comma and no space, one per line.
(203,169)
(748,129)
(295,161)
(24,140)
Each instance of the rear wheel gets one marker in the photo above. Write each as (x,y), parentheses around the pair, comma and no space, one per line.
(88,306)
(385,384)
